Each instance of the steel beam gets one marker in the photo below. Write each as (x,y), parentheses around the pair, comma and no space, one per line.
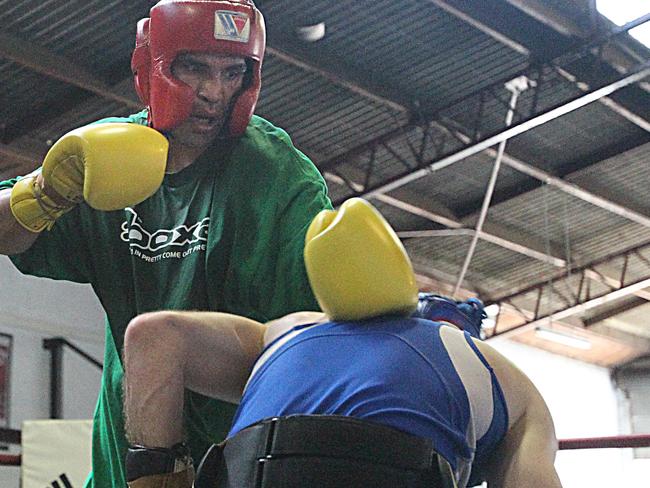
(456,227)
(620,308)
(608,102)
(58,67)
(515,163)
(563,185)
(581,307)
(638,74)
(582,298)
(12,158)
(576,191)
(334,79)
(546,15)
(7,151)
(617,286)
(515,46)
(499,241)
(587,267)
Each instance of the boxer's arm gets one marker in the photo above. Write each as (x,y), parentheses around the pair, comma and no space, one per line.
(526,456)
(167,352)
(221,348)
(110,166)
(14,238)
(210,353)
(224,350)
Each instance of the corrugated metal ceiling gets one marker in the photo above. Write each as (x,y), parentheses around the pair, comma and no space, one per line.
(328,96)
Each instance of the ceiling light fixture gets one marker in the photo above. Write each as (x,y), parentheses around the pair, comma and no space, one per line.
(311,33)
(562,338)
(622,12)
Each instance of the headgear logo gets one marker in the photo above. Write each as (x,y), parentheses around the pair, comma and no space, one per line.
(231,26)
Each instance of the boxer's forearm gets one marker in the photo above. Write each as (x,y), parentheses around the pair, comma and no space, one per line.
(167,352)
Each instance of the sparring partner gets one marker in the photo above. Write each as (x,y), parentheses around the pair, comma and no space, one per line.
(210,216)
(361,396)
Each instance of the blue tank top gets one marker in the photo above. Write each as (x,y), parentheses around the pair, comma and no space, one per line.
(415,375)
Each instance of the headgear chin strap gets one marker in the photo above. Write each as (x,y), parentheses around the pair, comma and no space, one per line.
(231,28)
(356,264)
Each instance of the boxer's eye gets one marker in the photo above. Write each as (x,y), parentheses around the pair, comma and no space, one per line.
(192,67)
(234,73)
(187,66)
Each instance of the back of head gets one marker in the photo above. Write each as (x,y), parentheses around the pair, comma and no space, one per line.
(356,264)
(230,28)
(467,315)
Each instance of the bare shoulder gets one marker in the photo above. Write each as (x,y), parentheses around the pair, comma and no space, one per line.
(530,429)
(516,386)
(275,328)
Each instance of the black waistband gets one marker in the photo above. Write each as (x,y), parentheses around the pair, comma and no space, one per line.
(321,451)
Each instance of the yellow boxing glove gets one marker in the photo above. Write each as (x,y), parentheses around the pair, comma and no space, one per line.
(356,264)
(110,166)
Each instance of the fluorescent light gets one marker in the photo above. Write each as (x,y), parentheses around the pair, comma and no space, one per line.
(623,11)
(562,338)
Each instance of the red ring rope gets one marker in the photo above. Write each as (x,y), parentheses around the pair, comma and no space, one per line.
(640,440)
(10,460)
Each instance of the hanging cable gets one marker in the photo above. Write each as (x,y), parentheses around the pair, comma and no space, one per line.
(567,237)
(516,87)
(547,242)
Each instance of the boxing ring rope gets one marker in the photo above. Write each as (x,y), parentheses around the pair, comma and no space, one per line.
(617,441)
(10,460)
(10,436)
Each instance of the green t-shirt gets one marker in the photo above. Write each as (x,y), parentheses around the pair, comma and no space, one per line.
(225,233)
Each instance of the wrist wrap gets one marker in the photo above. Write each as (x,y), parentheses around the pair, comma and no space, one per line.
(32,208)
(147,461)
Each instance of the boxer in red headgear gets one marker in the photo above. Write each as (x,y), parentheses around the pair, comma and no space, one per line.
(232,28)
(209,206)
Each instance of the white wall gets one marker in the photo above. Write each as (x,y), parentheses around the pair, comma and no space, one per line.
(32,309)
(584,403)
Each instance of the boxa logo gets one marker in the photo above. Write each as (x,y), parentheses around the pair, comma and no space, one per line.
(138,236)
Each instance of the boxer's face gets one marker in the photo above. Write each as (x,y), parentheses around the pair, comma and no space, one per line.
(215,79)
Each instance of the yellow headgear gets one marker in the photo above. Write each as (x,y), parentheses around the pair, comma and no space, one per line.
(356,264)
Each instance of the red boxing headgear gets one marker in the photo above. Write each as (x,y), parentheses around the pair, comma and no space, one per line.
(233,28)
